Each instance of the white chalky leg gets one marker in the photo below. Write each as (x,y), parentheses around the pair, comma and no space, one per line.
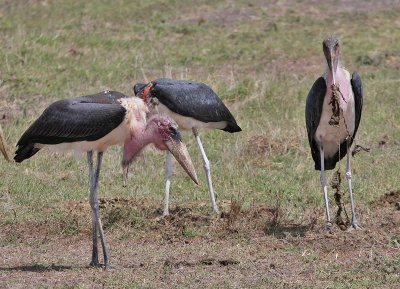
(354,222)
(169,169)
(325,190)
(207,170)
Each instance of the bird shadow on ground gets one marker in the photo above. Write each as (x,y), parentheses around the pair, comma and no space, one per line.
(177,211)
(283,231)
(37,268)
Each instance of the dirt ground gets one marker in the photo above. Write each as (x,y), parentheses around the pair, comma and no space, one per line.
(244,248)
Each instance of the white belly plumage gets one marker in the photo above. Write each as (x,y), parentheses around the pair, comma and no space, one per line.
(186,122)
(331,136)
(116,136)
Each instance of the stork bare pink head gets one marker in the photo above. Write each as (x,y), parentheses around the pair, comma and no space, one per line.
(167,128)
(170,139)
(163,132)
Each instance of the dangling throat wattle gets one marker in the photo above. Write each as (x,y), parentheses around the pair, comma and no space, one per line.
(342,86)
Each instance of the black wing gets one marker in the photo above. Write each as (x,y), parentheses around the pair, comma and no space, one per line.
(193,99)
(356,85)
(315,100)
(85,118)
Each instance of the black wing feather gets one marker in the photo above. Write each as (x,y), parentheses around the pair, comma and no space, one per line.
(356,85)
(193,99)
(85,118)
(315,100)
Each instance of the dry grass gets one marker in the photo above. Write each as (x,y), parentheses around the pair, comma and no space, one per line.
(189,249)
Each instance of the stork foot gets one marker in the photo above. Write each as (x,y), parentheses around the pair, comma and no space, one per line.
(106,266)
(329,228)
(95,258)
(216,211)
(165,213)
(95,263)
(110,267)
(354,226)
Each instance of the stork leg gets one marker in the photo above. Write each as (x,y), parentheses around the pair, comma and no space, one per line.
(207,170)
(95,251)
(169,169)
(354,222)
(94,204)
(100,226)
(325,190)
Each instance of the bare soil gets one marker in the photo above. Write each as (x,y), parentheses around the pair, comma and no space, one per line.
(243,248)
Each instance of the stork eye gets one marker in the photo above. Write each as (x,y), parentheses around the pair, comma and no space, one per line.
(174,133)
(173,130)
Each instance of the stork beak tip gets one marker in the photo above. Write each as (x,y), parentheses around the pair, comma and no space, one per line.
(181,154)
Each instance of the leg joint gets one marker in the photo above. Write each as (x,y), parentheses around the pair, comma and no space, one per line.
(94,204)
(207,164)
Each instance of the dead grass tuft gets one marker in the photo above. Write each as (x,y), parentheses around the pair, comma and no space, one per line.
(383,140)
(389,199)
(233,215)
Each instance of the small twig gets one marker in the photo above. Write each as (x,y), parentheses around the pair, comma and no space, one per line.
(359,148)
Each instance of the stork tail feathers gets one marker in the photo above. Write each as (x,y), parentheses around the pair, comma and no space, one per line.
(25,152)
(232,127)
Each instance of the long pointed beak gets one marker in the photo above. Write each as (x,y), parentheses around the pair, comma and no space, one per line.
(3,146)
(332,64)
(180,152)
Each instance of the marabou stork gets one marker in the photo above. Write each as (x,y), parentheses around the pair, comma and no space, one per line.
(193,105)
(333,113)
(3,146)
(93,123)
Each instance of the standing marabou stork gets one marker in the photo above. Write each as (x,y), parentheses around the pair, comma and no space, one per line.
(3,146)
(93,123)
(333,113)
(193,106)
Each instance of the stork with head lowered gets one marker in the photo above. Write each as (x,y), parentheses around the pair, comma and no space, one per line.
(194,106)
(92,123)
